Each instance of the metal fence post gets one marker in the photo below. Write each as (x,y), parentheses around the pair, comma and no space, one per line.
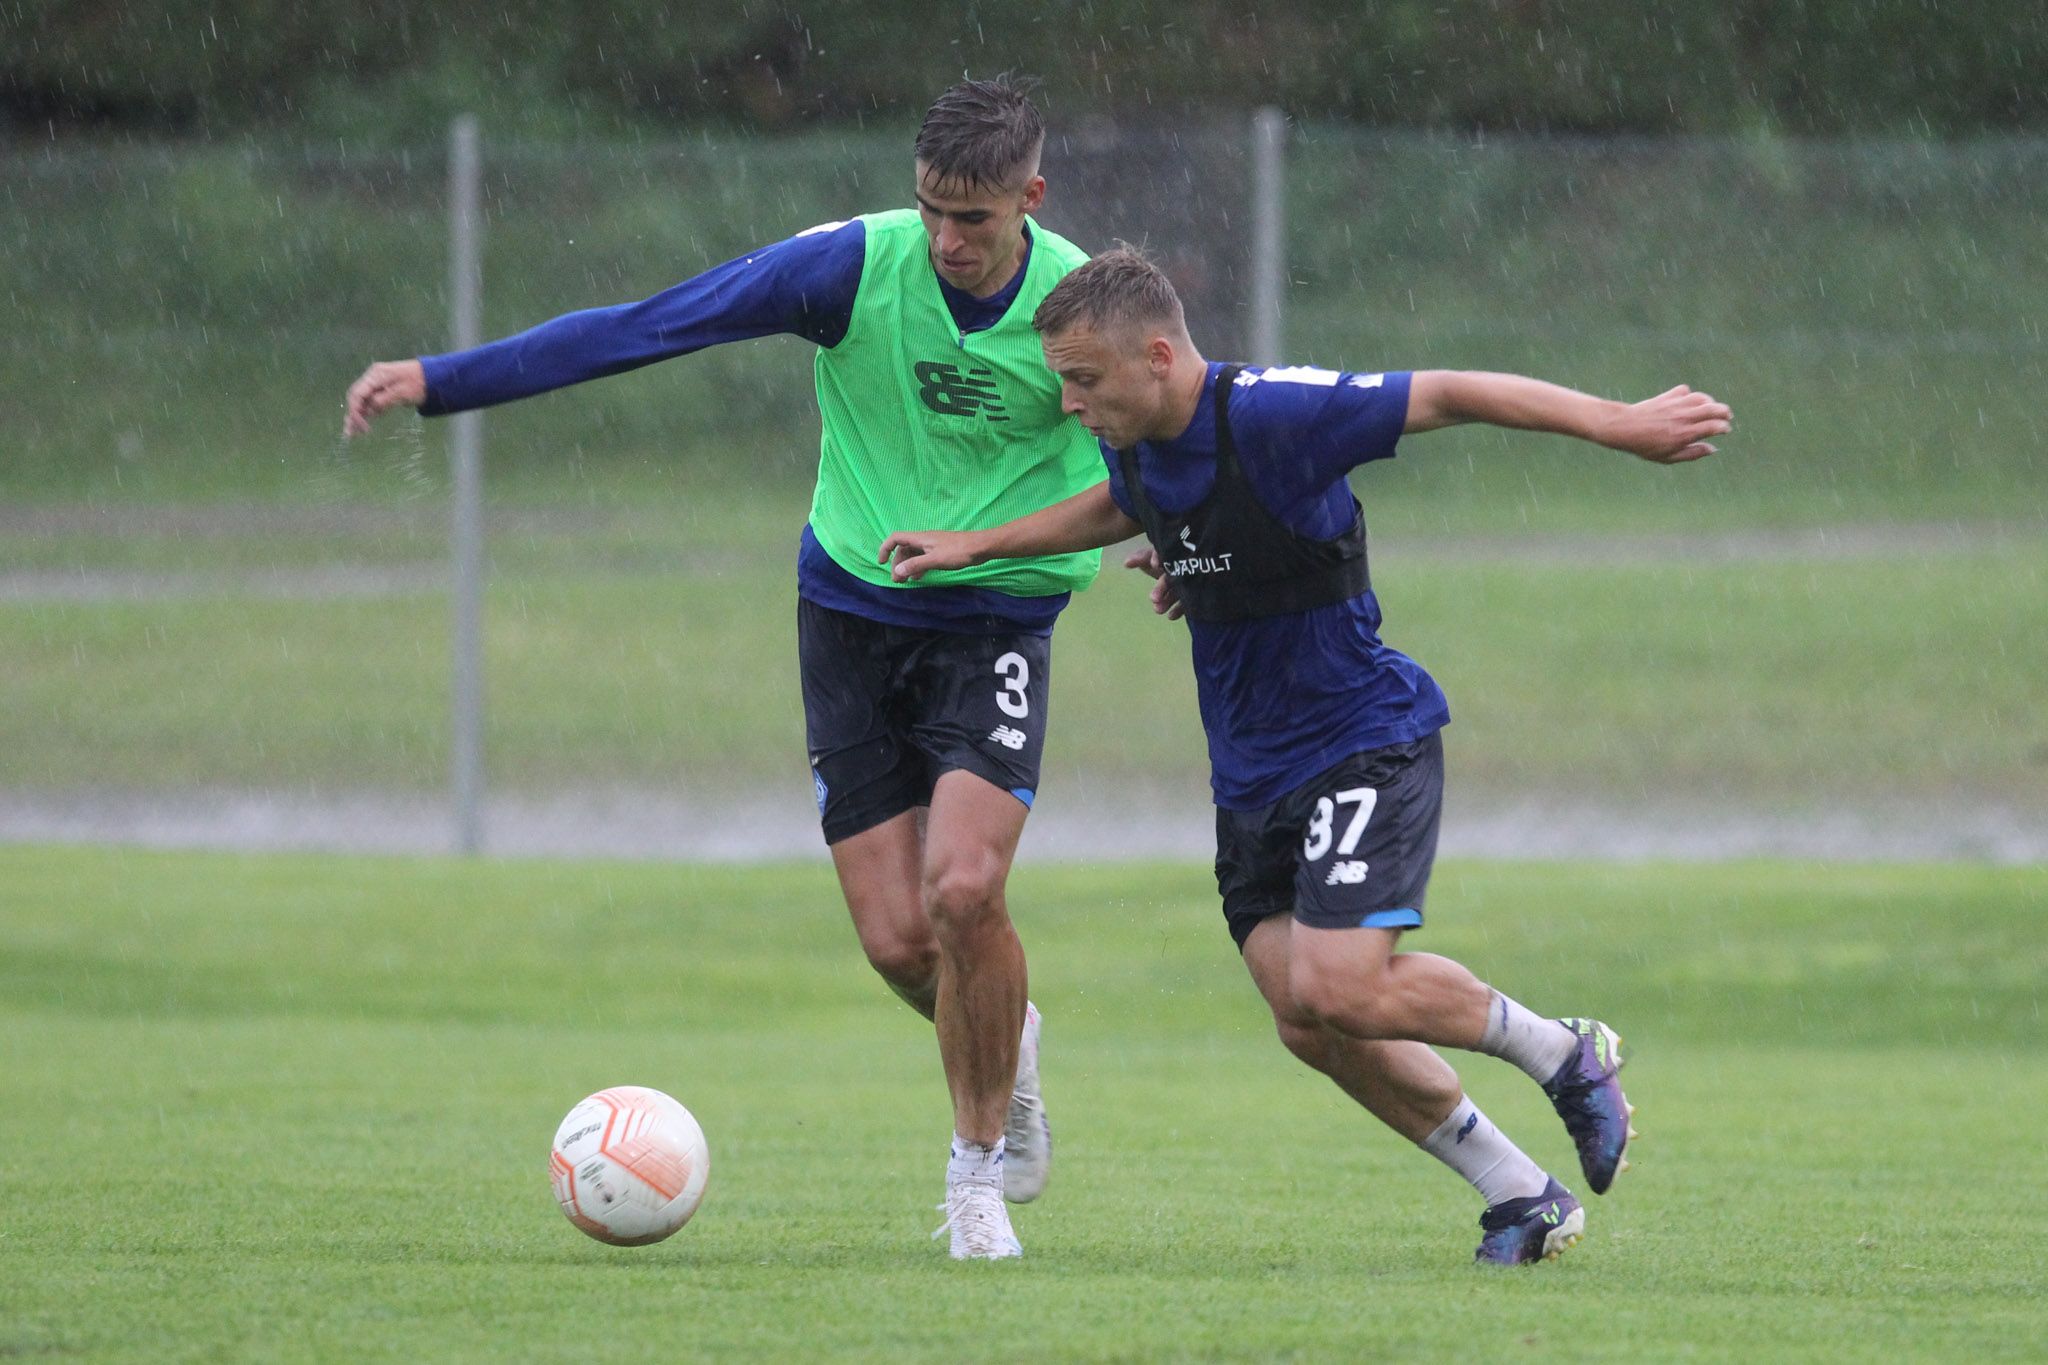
(1269,225)
(466,534)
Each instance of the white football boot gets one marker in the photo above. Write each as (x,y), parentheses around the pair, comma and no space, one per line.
(979,1222)
(1027,1137)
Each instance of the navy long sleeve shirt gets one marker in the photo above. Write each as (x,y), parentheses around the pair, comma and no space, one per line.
(803,286)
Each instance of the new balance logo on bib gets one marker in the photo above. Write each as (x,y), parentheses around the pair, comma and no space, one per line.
(945,390)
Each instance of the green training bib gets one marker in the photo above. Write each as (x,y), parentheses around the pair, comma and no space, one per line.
(926,429)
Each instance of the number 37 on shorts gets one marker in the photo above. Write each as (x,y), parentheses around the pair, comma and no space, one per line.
(1369,838)
(1322,828)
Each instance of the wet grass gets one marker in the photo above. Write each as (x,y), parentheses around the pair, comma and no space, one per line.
(296,1108)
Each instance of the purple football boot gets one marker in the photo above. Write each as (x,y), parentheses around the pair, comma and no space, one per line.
(1586,1092)
(1524,1230)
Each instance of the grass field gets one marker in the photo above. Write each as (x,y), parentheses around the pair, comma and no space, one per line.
(297,1108)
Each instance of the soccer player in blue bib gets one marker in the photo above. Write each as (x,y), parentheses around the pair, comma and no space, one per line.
(1325,757)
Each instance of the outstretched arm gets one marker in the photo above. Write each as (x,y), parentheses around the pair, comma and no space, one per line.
(804,285)
(1086,521)
(1668,429)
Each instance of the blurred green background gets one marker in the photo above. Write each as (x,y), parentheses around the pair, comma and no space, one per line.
(382,68)
(203,588)
(1846,605)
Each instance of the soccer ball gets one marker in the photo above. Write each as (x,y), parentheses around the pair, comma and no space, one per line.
(629,1165)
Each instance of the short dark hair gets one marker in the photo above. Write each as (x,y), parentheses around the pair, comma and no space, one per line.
(981,133)
(1118,287)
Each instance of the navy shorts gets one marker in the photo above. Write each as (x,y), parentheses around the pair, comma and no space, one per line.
(888,709)
(1351,848)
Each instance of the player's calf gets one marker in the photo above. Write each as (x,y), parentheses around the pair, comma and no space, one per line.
(1352,981)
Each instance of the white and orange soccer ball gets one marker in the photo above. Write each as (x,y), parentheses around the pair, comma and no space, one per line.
(629,1165)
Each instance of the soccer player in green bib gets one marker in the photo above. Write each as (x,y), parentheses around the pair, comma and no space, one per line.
(924,705)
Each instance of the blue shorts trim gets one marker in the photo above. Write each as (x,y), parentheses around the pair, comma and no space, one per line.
(1392,919)
(1024,794)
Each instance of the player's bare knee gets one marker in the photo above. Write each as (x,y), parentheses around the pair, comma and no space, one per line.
(909,963)
(1344,1000)
(963,894)
(1305,1038)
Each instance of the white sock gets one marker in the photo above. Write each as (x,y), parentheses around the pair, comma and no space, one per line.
(1537,1045)
(972,1162)
(1469,1144)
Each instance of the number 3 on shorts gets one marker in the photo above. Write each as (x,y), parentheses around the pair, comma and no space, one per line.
(1321,824)
(1015,671)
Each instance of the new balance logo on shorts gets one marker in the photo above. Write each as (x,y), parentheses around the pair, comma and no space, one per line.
(1008,736)
(948,392)
(1349,873)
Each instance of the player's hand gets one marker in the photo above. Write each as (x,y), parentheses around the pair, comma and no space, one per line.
(913,554)
(1165,598)
(1670,428)
(385,385)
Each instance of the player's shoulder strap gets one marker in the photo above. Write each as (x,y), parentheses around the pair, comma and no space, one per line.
(892,233)
(1228,556)
(894,242)
(1226,442)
